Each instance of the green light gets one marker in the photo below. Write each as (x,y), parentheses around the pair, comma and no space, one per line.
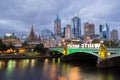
(53,60)
(58,60)
(110,77)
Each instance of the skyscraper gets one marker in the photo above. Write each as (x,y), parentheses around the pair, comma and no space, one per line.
(63,32)
(89,29)
(57,26)
(104,32)
(76,27)
(68,31)
(114,35)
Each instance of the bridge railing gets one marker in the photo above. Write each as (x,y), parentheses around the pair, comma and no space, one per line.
(109,50)
(114,50)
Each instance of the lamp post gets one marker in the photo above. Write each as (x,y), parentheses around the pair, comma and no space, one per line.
(101,42)
(63,42)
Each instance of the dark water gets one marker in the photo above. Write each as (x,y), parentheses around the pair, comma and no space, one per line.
(36,69)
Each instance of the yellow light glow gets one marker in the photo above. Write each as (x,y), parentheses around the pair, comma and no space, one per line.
(108,54)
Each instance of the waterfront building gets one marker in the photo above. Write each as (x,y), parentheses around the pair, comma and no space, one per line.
(76,27)
(114,35)
(104,32)
(11,38)
(68,31)
(89,30)
(57,26)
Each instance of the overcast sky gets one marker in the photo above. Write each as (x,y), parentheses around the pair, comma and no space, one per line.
(18,15)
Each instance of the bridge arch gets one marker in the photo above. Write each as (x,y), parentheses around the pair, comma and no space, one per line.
(85,52)
(56,53)
(70,51)
(114,55)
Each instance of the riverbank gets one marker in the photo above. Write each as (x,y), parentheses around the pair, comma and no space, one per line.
(19,56)
(23,56)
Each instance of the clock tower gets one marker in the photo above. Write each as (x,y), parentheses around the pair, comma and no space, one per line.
(57,26)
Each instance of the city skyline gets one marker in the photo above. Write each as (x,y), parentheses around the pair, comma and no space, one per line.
(18,16)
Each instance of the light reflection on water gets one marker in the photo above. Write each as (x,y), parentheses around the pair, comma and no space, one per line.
(53,69)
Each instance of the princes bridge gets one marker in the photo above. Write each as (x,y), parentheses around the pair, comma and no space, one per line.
(103,55)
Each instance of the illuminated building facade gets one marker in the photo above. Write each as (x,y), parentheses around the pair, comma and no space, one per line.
(63,32)
(114,35)
(47,38)
(68,31)
(11,38)
(57,26)
(89,30)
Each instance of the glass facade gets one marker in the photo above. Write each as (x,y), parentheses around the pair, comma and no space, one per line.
(104,32)
(76,29)
(63,32)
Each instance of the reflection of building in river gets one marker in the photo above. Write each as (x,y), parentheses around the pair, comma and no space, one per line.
(74,74)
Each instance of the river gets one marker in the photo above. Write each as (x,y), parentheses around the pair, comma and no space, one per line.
(53,69)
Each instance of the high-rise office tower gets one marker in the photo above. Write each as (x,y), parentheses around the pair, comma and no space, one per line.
(57,26)
(68,31)
(89,29)
(63,32)
(114,35)
(76,27)
(104,32)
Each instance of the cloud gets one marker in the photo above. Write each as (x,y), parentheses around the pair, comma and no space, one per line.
(21,14)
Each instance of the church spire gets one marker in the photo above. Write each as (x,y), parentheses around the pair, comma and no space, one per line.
(57,18)
(32,34)
(39,39)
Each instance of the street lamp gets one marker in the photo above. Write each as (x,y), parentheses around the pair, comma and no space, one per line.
(63,42)
(101,42)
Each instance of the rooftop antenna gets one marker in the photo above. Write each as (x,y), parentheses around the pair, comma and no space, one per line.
(75,15)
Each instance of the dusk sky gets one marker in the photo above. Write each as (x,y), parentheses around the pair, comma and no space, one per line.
(18,15)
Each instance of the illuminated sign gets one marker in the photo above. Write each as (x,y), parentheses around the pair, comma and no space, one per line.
(73,46)
(83,46)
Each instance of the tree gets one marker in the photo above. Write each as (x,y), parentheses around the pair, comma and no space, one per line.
(111,44)
(3,47)
(11,46)
(96,41)
(39,48)
(25,44)
(107,43)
